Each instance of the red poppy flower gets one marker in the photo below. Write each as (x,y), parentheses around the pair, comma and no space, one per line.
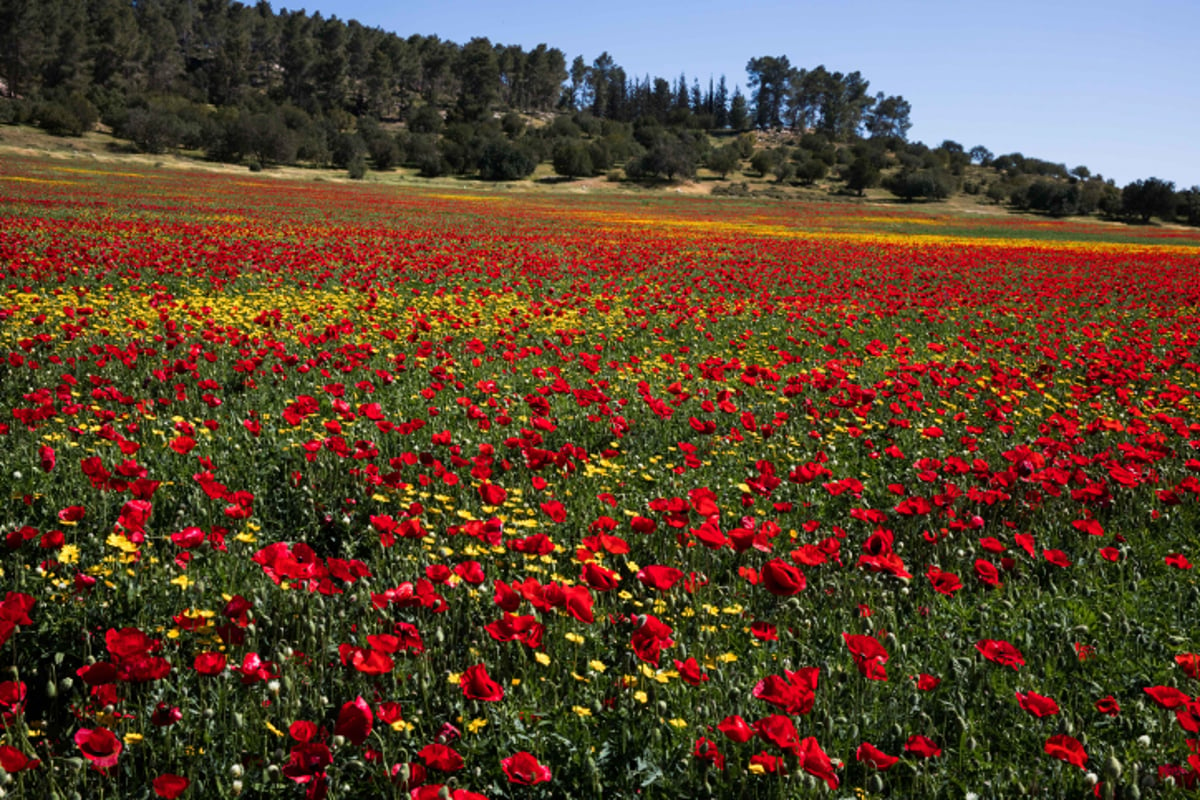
(643,525)
(98,746)
(354,721)
(814,761)
(946,583)
(1167,696)
(366,660)
(127,643)
(659,577)
(440,757)
(779,731)
(651,638)
(735,728)
(1108,705)
(165,716)
(987,573)
(170,786)
(599,578)
(98,674)
(46,457)
(874,757)
(1066,748)
(302,730)
(922,746)
(1178,560)
(768,763)
(477,685)
(471,572)
(209,663)
(492,494)
(764,631)
(307,761)
(869,655)
(793,692)
(1001,652)
(927,682)
(1037,704)
(1057,557)
(255,669)
(511,627)
(690,671)
(781,578)
(705,749)
(522,768)
(1190,664)
(13,760)
(182,444)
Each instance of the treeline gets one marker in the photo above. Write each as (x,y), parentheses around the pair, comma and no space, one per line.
(243,84)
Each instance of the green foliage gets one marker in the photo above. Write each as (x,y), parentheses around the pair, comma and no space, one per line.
(820,147)
(739,111)
(502,160)
(1148,198)
(1056,198)
(931,184)
(151,130)
(66,115)
(426,119)
(809,170)
(861,174)
(980,155)
(571,158)
(348,147)
(15,111)
(888,117)
(1188,208)
(723,160)
(668,156)
(380,145)
(763,161)
(513,124)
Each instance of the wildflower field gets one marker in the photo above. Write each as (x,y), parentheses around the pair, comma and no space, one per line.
(317,489)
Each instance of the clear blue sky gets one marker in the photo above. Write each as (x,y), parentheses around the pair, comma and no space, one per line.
(1111,85)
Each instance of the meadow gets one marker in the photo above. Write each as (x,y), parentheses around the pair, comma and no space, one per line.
(314,489)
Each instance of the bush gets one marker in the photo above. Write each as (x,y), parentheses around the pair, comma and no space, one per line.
(68,116)
(425,119)
(357,167)
(724,160)
(928,183)
(571,158)
(811,170)
(763,161)
(346,148)
(502,160)
(15,111)
(151,130)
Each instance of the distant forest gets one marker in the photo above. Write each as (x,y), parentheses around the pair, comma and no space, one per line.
(242,84)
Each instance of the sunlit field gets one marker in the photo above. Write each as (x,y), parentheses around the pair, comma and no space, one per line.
(330,490)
